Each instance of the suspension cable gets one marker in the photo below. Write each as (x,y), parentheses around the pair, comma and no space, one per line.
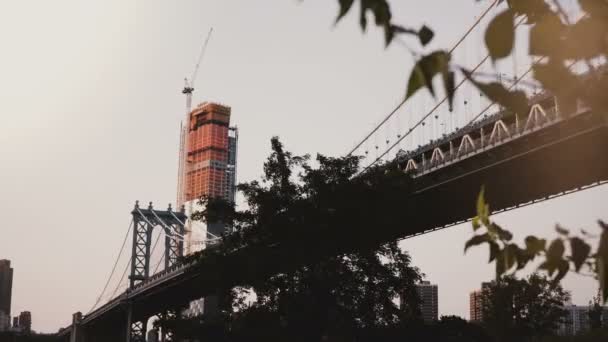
(520,22)
(148,222)
(122,247)
(166,226)
(124,273)
(158,263)
(494,3)
(423,118)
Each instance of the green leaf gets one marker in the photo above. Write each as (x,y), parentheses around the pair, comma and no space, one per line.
(345,6)
(475,222)
(562,269)
(449,84)
(533,9)
(483,209)
(523,257)
(382,16)
(476,240)
(500,263)
(514,100)
(546,36)
(561,82)
(425,69)
(556,250)
(586,39)
(535,245)
(401,29)
(580,252)
(561,230)
(500,35)
(503,234)
(510,255)
(595,8)
(494,250)
(425,35)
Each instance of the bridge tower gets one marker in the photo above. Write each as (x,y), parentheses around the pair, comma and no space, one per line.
(144,223)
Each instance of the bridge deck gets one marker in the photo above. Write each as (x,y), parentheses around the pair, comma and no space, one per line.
(557,156)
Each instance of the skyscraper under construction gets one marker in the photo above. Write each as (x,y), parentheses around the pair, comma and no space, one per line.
(207,163)
(207,167)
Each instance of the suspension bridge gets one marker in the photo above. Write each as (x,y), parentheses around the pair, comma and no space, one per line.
(521,158)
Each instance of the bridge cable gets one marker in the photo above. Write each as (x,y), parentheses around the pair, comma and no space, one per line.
(124,273)
(515,81)
(162,257)
(421,121)
(494,3)
(160,222)
(122,247)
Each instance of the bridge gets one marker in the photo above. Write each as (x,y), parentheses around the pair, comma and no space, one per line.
(519,158)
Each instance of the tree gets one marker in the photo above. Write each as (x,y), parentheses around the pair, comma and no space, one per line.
(523,309)
(339,296)
(595,313)
(456,329)
(312,292)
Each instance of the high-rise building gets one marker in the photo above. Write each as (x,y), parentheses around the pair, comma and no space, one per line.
(429,300)
(208,152)
(476,306)
(577,319)
(6,287)
(209,161)
(476,303)
(25,321)
(207,168)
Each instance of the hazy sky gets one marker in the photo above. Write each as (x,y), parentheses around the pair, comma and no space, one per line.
(90,106)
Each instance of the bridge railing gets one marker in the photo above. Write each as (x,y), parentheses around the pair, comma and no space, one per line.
(495,130)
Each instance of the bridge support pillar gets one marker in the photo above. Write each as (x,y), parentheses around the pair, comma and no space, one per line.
(77,334)
(136,330)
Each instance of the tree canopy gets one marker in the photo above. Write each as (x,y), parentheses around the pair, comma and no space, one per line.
(523,309)
(330,277)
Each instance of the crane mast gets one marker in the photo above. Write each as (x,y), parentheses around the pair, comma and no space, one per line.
(184,141)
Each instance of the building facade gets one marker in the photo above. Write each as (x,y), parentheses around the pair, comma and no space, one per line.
(208,169)
(577,319)
(209,165)
(211,153)
(476,304)
(429,305)
(25,321)
(6,288)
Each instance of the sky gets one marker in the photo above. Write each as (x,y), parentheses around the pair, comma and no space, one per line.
(90,106)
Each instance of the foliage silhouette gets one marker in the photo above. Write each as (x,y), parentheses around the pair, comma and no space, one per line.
(523,309)
(305,246)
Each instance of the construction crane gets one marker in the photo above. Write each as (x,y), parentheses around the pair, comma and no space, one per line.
(189,83)
(183,149)
(188,90)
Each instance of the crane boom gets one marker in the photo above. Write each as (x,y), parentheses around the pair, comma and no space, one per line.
(184,142)
(200,58)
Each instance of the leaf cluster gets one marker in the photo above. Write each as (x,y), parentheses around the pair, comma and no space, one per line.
(554,257)
(556,41)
